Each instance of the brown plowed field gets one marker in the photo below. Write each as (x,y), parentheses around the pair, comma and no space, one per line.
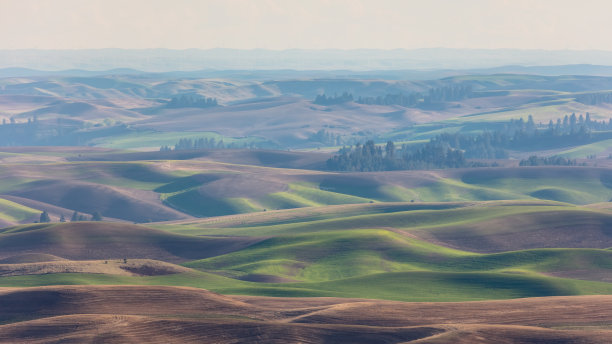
(152,314)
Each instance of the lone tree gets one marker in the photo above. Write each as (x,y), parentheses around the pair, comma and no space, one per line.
(62,218)
(44,217)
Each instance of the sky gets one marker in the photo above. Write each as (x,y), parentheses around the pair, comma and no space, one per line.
(306,24)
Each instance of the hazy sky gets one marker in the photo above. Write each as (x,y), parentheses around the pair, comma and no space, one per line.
(309,24)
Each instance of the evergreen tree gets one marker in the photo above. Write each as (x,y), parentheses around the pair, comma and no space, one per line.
(390,150)
(96,216)
(75,217)
(62,218)
(44,217)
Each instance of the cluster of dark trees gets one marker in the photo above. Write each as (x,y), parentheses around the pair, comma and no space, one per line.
(553,160)
(406,100)
(524,135)
(322,99)
(370,157)
(96,216)
(203,143)
(433,96)
(449,150)
(573,124)
(594,98)
(191,100)
(482,146)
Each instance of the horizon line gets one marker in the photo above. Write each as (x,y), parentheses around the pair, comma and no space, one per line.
(310,49)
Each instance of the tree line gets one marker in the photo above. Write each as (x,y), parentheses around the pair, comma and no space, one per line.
(405,100)
(204,143)
(371,157)
(525,135)
(451,150)
(191,100)
(322,99)
(416,99)
(432,96)
(534,160)
(76,216)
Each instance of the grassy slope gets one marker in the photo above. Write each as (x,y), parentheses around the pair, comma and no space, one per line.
(330,258)
(564,189)
(411,219)
(136,175)
(325,256)
(181,189)
(302,215)
(14,213)
(580,186)
(196,203)
(402,286)
(353,254)
(588,149)
(103,240)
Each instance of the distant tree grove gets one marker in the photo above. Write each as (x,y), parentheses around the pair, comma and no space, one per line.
(431,97)
(322,99)
(203,143)
(370,157)
(96,216)
(542,161)
(416,99)
(524,135)
(191,100)
(448,150)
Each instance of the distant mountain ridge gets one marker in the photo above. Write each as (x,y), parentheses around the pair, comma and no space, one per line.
(165,60)
(287,74)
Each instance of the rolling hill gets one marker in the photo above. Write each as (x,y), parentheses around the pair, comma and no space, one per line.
(343,252)
(101,240)
(114,314)
(128,110)
(170,186)
(260,245)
